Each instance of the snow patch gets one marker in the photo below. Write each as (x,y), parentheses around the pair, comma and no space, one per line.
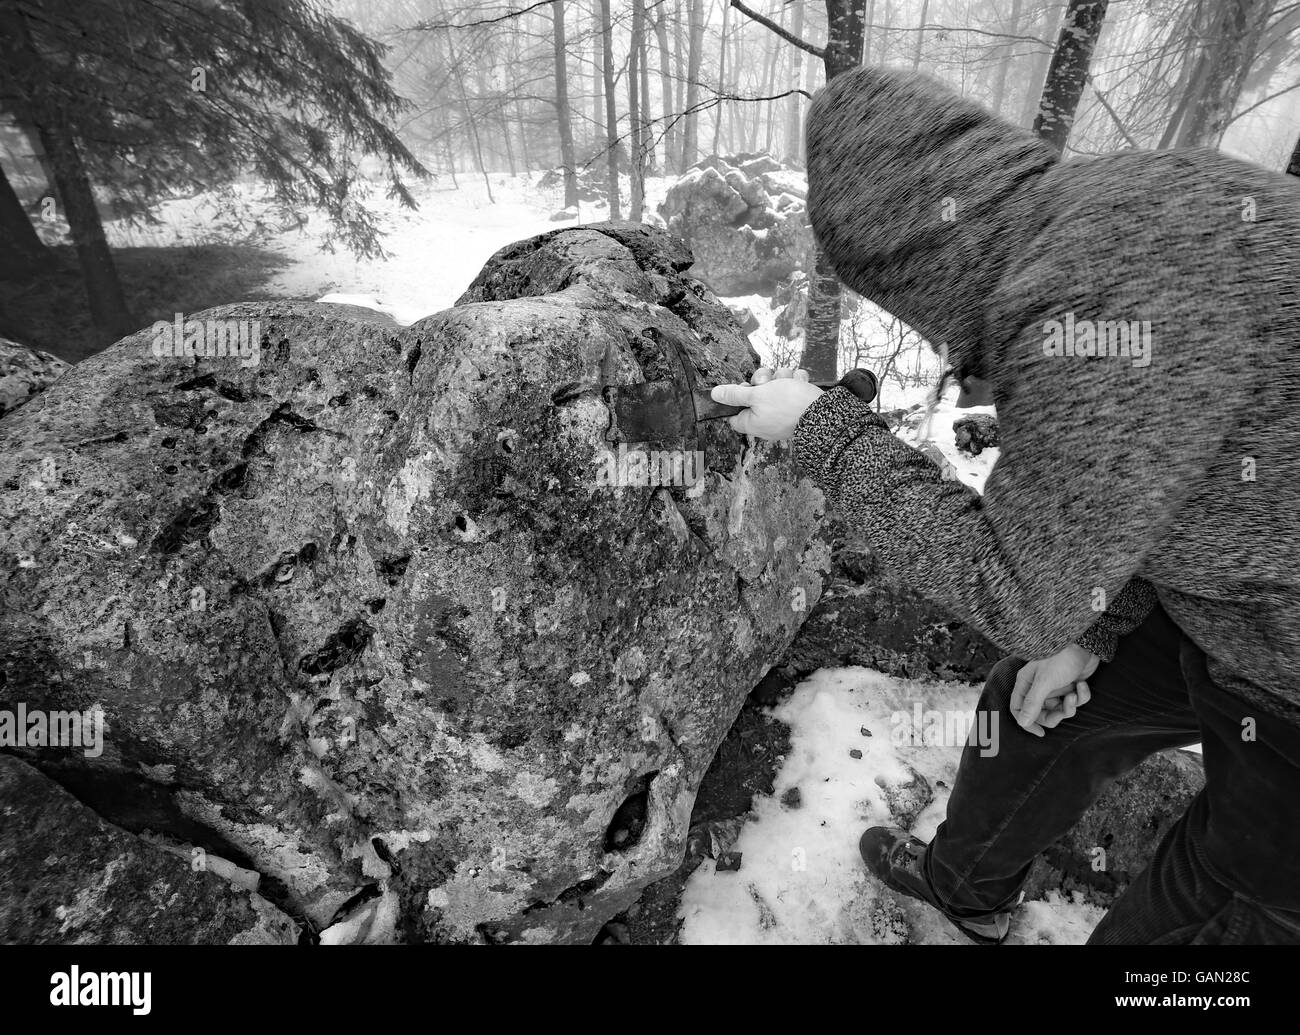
(801,879)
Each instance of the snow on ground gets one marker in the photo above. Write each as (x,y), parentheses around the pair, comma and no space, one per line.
(433,251)
(972,470)
(801,880)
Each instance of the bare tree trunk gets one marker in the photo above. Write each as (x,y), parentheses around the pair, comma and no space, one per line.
(1041,25)
(775,54)
(814,72)
(108,309)
(1068,71)
(647,113)
(1191,66)
(794,103)
(636,56)
(562,111)
(1293,166)
(502,127)
(722,76)
(920,34)
(611,107)
(597,80)
(33,138)
(695,56)
(23,255)
(1221,70)
(668,137)
(679,55)
(451,159)
(1012,27)
(505,140)
(844,42)
(476,143)
(521,124)
(846,25)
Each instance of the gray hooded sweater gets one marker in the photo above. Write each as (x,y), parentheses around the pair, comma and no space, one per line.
(1165,465)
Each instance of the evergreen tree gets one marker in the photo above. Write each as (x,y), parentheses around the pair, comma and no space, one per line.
(141,102)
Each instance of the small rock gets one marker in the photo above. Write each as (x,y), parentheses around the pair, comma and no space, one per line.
(745,317)
(723,834)
(729,862)
(855,753)
(975,432)
(907,798)
(865,732)
(741,242)
(760,165)
(792,798)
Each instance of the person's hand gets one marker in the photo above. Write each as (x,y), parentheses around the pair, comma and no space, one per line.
(1052,689)
(774,401)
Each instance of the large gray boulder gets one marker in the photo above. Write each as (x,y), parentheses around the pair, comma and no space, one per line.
(24,372)
(745,220)
(365,615)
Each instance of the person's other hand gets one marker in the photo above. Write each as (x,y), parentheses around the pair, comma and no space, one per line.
(773,400)
(1050,690)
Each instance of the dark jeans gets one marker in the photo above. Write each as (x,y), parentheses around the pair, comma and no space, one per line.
(1228,872)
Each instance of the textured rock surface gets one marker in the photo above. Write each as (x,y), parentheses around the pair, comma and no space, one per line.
(70,878)
(24,371)
(868,616)
(1116,838)
(745,220)
(363,617)
(975,432)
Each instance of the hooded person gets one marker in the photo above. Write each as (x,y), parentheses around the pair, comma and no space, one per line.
(1137,318)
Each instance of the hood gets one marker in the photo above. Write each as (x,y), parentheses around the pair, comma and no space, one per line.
(920,199)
